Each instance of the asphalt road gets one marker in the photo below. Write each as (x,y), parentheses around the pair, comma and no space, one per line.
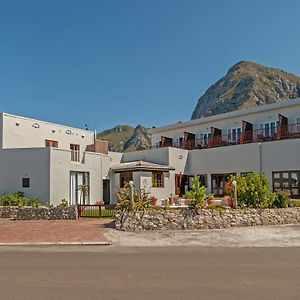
(105,272)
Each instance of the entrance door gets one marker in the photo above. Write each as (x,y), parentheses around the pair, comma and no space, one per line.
(181,184)
(79,188)
(106,191)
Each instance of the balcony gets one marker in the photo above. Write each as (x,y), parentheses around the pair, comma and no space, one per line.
(282,132)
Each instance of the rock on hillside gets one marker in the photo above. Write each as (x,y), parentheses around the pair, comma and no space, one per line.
(246,85)
(140,140)
(126,138)
(117,136)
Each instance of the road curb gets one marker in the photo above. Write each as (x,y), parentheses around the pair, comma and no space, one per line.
(102,243)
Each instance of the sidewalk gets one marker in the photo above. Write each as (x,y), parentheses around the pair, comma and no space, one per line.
(256,236)
(85,232)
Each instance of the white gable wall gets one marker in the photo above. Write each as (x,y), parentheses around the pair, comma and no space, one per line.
(19,132)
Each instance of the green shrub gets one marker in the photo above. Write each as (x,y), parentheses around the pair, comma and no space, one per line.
(141,200)
(253,190)
(64,203)
(294,203)
(216,207)
(18,199)
(281,199)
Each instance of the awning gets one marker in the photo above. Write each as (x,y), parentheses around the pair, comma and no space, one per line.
(140,165)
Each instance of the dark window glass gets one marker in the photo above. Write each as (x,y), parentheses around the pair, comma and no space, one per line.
(25,182)
(287,181)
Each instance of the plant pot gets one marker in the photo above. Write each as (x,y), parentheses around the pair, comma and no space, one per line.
(154,201)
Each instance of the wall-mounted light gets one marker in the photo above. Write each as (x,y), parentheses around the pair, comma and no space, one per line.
(36,125)
(180,156)
(83,136)
(17,123)
(53,130)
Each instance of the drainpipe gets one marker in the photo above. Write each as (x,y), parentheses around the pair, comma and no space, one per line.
(260,157)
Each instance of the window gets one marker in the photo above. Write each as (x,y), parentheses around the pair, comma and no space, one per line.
(203,179)
(158,179)
(75,153)
(269,128)
(51,144)
(219,183)
(287,181)
(25,182)
(204,137)
(234,134)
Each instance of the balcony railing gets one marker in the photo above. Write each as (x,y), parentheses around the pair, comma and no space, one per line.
(291,131)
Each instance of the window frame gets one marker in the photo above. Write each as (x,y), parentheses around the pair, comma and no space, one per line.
(75,152)
(156,181)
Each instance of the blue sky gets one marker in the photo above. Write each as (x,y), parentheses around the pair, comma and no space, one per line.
(133,61)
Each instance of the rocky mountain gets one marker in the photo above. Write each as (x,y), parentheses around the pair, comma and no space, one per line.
(117,136)
(140,140)
(246,85)
(122,138)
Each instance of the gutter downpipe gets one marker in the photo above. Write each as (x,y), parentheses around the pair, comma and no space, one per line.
(260,157)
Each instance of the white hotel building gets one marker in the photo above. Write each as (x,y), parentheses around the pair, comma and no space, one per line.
(52,161)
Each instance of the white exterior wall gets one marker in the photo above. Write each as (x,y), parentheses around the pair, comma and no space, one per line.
(16,164)
(158,156)
(145,182)
(108,160)
(265,157)
(24,135)
(280,156)
(114,186)
(60,169)
(237,158)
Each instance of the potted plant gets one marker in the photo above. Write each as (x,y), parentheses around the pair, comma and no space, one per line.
(153,201)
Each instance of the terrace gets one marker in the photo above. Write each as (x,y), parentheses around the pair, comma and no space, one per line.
(246,135)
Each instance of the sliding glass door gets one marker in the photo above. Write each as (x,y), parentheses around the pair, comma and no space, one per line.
(79,188)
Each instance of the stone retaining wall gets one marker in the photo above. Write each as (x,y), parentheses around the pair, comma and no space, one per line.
(205,218)
(41,213)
